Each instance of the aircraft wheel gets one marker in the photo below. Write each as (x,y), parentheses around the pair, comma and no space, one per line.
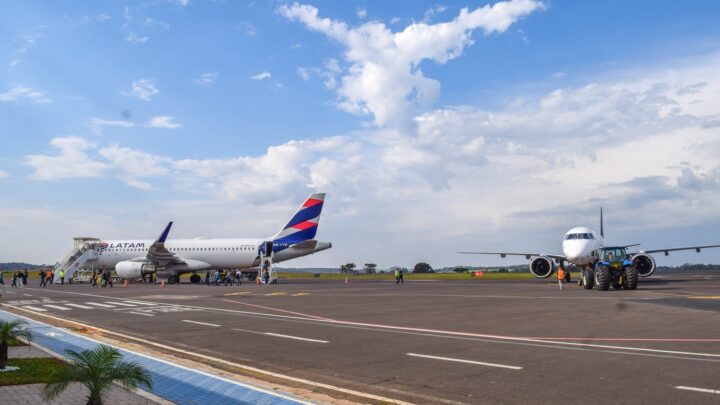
(587,278)
(602,278)
(195,278)
(251,277)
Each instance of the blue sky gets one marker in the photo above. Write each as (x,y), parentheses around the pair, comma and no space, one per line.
(222,115)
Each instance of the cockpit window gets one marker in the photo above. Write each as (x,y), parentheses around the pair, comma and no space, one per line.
(571,236)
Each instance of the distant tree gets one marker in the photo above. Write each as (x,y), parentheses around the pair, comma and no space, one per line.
(422,268)
(343,269)
(370,268)
(350,267)
(461,269)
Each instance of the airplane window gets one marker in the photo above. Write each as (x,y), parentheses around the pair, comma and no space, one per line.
(572,236)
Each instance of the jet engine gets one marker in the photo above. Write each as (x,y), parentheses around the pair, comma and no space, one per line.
(644,263)
(130,270)
(542,267)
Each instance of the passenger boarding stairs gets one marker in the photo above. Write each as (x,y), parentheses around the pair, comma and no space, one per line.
(272,270)
(84,251)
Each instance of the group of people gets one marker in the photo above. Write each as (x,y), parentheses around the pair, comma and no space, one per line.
(399,276)
(101,279)
(20,277)
(224,277)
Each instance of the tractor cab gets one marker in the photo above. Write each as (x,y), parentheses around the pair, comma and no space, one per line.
(613,256)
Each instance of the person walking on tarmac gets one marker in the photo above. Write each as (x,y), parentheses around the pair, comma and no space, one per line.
(402,281)
(43,282)
(397,276)
(25,276)
(62,276)
(561,275)
(2,278)
(207,278)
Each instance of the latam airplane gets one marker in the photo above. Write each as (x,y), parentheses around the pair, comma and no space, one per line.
(134,258)
(582,247)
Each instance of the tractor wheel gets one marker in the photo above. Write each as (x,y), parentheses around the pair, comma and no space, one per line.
(602,278)
(631,278)
(195,278)
(588,279)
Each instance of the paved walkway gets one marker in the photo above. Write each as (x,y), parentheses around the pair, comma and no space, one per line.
(31,394)
(171,381)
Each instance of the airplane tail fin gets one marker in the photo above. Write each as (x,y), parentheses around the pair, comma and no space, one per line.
(304,223)
(602,226)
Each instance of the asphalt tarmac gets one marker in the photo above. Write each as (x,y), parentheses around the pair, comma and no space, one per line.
(470,341)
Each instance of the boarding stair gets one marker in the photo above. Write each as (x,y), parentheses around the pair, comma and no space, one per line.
(83,253)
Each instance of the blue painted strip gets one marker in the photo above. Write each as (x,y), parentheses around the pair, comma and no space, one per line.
(305,214)
(172,382)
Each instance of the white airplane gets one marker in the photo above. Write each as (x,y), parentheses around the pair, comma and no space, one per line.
(134,258)
(601,265)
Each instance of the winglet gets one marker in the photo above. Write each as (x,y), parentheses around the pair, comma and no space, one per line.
(165,233)
(602,227)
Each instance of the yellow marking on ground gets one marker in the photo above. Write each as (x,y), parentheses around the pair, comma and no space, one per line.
(275,293)
(240,293)
(300,294)
(667,294)
(711,297)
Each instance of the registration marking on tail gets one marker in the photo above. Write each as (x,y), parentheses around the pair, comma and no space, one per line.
(479,363)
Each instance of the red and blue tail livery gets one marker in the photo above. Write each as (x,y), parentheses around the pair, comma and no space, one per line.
(304,223)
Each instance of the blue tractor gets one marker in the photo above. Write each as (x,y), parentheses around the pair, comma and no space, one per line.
(614,268)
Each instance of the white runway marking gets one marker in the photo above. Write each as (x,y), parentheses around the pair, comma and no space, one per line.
(703,390)
(141,302)
(201,323)
(296,337)
(57,307)
(480,363)
(100,305)
(35,308)
(27,295)
(79,306)
(121,303)
(140,313)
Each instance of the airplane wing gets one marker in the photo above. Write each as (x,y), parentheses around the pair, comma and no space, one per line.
(504,254)
(668,250)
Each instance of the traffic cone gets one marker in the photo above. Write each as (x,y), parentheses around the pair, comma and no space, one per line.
(162,284)
(346,280)
(125,284)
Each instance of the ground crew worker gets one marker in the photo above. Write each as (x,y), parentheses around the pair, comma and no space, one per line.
(42,278)
(397,276)
(25,277)
(561,275)
(49,276)
(402,281)
(62,276)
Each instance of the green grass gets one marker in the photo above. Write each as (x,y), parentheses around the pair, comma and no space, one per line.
(430,276)
(32,371)
(14,342)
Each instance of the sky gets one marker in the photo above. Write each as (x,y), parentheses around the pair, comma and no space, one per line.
(433,127)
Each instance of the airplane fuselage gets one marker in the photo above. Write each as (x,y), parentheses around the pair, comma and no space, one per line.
(581,245)
(217,253)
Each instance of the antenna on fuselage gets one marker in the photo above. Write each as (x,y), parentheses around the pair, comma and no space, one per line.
(602,227)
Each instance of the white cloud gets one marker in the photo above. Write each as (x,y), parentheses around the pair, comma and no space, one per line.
(4,174)
(261,76)
(248,28)
(70,161)
(384,78)
(134,165)
(136,39)
(163,121)
(85,19)
(96,124)
(156,25)
(361,12)
(207,79)
(18,93)
(144,89)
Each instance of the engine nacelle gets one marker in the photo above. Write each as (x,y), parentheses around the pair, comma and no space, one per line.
(542,267)
(644,263)
(131,270)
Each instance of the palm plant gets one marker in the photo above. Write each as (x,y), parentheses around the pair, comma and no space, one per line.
(98,369)
(11,330)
